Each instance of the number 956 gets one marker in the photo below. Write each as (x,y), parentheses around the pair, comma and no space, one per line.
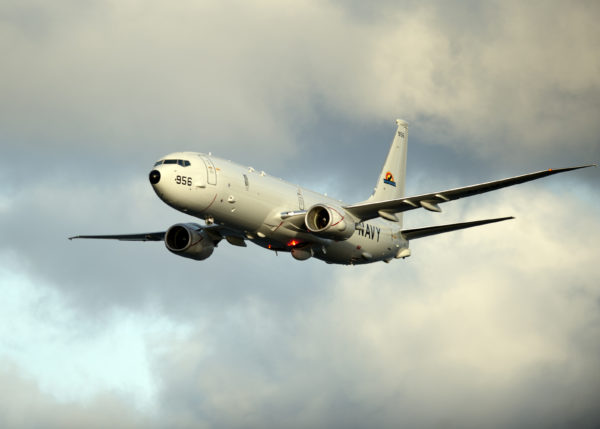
(183,180)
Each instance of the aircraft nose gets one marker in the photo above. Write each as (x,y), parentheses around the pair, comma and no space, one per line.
(154,177)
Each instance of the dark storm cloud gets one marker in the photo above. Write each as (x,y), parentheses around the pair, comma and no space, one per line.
(495,327)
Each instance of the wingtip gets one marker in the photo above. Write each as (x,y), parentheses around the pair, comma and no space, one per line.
(578,167)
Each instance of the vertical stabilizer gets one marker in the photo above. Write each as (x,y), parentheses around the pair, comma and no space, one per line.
(390,184)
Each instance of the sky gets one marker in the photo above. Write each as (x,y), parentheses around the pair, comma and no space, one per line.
(496,327)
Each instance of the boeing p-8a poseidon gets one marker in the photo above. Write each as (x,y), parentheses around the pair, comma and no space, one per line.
(238,204)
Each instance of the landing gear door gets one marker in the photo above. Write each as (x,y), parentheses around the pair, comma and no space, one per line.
(212,172)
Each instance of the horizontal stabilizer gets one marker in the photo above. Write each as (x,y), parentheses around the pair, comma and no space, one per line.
(412,234)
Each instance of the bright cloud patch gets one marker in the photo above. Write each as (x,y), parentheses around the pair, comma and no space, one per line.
(73,357)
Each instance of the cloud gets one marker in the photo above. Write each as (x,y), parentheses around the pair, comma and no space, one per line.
(73,356)
(492,78)
(496,326)
(24,405)
(497,82)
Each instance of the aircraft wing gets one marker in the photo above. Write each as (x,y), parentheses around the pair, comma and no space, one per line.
(146,236)
(386,209)
(413,234)
(216,232)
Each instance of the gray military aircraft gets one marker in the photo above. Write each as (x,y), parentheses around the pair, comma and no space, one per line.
(239,203)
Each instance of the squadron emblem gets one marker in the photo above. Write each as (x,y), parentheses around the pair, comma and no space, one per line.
(389,179)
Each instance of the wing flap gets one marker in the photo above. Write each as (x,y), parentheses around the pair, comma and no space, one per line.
(369,210)
(413,234)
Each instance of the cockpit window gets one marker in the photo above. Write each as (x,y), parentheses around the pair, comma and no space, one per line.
(181,162)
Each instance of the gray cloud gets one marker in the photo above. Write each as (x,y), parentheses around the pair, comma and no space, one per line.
(501,81)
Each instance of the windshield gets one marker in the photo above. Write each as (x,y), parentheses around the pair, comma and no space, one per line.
(181,162)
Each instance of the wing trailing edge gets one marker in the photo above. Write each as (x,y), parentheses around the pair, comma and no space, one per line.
(413,234)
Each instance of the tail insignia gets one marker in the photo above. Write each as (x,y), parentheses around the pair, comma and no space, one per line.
(389,179)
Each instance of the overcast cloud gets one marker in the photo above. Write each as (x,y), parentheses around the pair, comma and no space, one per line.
(493,327)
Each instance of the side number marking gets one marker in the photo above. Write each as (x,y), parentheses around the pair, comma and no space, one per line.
(183,180)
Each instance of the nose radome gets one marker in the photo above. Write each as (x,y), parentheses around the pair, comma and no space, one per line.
(154,177)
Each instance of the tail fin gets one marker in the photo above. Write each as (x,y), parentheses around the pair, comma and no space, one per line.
(390,184)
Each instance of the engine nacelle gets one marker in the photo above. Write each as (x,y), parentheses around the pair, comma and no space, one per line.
(329,222)
(189,240)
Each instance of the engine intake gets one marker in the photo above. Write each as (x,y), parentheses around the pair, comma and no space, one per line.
(329,222)
(189,240)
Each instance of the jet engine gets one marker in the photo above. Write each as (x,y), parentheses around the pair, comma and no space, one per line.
(189,240)
(329,222)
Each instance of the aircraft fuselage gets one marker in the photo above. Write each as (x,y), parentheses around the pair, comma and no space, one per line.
(252,202)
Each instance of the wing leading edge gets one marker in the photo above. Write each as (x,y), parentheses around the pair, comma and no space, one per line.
(216,232)
(370,210)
